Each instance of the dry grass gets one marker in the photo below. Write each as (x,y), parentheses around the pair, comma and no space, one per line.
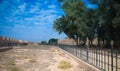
(14,69)
(24,57)
(53,50)
(64,65)
(11,62)
(32,60)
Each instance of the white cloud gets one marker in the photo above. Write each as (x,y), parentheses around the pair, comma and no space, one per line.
(51,6)
(22,7)
(48,11)
(43,17)
(35,8)
(38,15)
(26,18)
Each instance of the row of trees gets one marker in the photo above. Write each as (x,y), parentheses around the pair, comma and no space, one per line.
(51,41)
(81,23)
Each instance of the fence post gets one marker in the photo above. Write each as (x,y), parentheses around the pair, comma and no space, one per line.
(76,51)
(111,58)
(102,59)
(116,60)
(80,52)
(96,56)
(108,60)
(92,56)
(87,54)
(99,57)
(105,59)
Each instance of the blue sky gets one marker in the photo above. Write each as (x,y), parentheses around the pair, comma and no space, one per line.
(30,20)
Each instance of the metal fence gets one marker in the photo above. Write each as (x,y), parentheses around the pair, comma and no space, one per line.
(103,59)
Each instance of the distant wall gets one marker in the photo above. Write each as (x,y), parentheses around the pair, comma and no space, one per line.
(67,41)
(6,41)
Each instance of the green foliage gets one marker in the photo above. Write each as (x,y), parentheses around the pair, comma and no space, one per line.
(53,41)
(80,22)
(43,43)
(69,24)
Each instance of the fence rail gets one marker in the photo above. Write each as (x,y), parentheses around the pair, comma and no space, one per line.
(103,59)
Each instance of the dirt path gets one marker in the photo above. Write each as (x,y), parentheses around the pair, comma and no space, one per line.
(36,58)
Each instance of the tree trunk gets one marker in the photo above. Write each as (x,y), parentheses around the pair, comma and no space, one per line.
(76,40)
(98,42)
(108,45)
(103,42)
(91,43)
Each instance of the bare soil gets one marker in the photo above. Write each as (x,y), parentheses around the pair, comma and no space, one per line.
(35,58)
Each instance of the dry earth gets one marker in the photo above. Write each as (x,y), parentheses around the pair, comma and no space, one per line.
(35,58)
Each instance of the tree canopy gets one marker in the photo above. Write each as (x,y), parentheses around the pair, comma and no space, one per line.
(80,22)
(53,41)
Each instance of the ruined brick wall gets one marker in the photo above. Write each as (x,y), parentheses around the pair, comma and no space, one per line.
(6,41)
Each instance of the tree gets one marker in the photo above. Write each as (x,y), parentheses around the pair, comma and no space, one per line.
(65,25)
(108,20)
(53,41)
(80,22)
(43,42)
(68,23)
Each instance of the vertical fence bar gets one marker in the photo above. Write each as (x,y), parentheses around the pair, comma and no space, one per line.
(92,56)
(116,60)
(105,59)
(87,52)
(112,59)
(73,50)
(102,58)
(76,51)
(96,56)
(80,52)
(99,57)
(90,60)
(108,60)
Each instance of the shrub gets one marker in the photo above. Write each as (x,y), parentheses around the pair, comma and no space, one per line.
(11,62)
(64,65)
(24,56)
(14,69)
(32,60)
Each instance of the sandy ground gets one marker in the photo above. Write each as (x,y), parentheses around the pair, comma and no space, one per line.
(35,58)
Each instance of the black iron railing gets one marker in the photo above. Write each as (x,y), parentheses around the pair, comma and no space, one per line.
(103,59)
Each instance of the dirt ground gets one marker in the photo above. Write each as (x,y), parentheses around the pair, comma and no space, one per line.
(36,58)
